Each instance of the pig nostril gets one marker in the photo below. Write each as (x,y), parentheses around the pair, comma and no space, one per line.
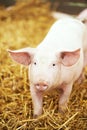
(41,86)
(37,85)
(45,87)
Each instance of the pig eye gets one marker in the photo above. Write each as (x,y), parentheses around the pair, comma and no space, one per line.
(35,63)
(54,64)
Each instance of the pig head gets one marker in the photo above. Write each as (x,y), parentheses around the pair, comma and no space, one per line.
(51,68)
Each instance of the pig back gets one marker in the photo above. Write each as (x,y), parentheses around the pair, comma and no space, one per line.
(65,35)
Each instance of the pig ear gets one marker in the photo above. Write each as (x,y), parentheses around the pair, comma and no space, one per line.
(70,58)
(22,56)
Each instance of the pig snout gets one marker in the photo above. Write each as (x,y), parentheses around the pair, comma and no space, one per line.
(41,86)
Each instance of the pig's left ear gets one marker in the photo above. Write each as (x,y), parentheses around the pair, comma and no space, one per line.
(69,58)
(22,56)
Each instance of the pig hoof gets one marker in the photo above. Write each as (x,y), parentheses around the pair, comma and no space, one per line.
(62,110)
(35,116)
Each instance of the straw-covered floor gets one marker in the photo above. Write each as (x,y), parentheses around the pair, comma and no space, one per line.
(21,26)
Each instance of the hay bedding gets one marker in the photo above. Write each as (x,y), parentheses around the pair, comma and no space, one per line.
(21,26)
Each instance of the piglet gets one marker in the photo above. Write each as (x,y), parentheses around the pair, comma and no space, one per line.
(56,62)
(83,16)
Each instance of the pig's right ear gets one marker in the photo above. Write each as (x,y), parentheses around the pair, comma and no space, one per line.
(22,56)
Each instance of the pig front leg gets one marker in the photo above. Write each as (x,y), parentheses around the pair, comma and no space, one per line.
(64,96)
(37,99)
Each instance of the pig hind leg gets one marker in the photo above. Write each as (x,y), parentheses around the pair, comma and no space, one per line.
(82,76)
(85,59)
